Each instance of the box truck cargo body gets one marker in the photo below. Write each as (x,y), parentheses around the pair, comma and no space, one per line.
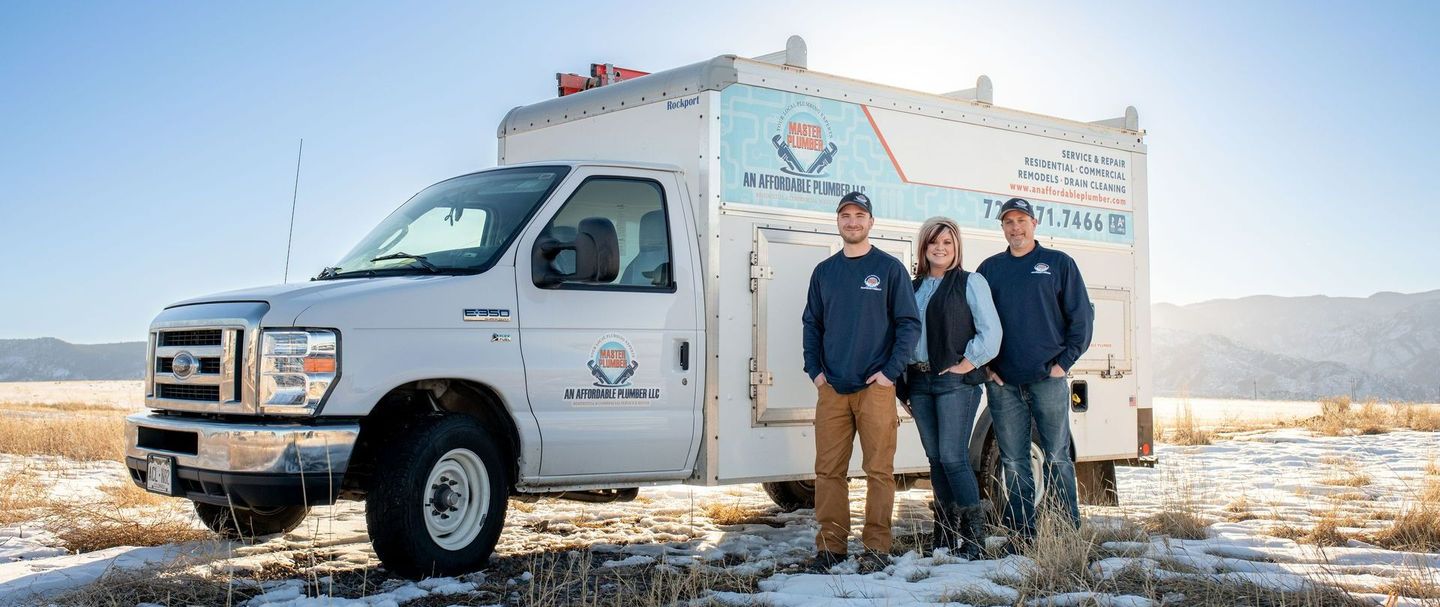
(618,305)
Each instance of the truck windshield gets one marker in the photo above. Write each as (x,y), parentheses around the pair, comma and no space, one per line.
(457,226)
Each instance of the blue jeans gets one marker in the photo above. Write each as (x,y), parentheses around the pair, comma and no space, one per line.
(1046,404)
(944,410)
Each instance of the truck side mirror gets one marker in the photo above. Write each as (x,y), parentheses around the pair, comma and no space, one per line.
(597,255)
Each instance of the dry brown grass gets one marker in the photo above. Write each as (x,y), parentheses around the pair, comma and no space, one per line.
(1060,556)
(97,527)
(177,584)
(123,515)
(733,513)
(1239,510)
(126,494)
(1421,418)
(1325,532)
(20,494)
(572,579)
(1209,590)
(77,437)
(1180,524)
(1419,586)
(1340,417)
(1416,528)
(65,407)
(1347,478)
(1185,431)
(1179,516)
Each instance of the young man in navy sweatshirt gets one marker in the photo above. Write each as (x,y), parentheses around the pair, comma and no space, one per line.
(860,326)
(1046,318)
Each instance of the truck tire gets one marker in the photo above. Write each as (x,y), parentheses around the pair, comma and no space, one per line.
(792,495)
(992,475)
(438,502)
(243,523)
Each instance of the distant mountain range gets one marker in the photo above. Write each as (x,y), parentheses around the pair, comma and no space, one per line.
(47,358)
(1384,346)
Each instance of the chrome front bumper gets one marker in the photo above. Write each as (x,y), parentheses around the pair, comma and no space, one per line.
(281,448)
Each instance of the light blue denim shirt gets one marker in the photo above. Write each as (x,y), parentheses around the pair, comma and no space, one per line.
(986,343)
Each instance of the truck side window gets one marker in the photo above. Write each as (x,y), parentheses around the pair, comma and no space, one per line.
(637,209)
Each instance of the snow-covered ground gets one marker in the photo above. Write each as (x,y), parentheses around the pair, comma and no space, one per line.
(1246,486)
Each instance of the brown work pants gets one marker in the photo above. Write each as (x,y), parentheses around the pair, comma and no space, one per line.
(838,417)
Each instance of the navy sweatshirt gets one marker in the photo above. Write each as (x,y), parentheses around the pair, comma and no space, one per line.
(860,318)
(1045,313)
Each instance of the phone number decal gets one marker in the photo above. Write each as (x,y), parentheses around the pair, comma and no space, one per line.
(1069,221)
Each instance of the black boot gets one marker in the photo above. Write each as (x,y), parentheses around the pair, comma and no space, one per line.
(970,530)
(945,529)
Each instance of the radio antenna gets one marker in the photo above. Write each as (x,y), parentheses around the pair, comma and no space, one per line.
(294,196)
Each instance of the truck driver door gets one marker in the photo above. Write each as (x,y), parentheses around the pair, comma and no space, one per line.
(611,368)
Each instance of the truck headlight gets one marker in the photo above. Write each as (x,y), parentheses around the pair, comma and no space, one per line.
(297,367)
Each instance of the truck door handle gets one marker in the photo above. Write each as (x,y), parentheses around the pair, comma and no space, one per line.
(684,356)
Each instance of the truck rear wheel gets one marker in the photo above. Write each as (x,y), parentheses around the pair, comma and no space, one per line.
(792,495)
(246,523)
(992,480)
(439,504)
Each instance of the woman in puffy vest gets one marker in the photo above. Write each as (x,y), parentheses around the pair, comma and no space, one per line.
(960,332)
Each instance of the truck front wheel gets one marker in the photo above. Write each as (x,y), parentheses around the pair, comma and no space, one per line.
(439,501)
(245,523)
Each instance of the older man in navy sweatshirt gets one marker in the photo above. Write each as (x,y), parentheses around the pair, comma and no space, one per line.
(860,326)
(1046,317)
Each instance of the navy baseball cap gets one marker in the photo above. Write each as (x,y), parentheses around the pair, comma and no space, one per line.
(857,199)
(1016,204)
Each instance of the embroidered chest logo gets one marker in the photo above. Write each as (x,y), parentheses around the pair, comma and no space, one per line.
(872,283)
(1041,268)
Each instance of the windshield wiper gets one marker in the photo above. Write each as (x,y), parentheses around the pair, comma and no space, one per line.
(420,259)
(328,273)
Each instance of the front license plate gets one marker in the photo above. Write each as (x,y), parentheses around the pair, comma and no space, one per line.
(161,474)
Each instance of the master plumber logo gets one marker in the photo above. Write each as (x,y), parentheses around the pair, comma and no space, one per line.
(872,283)
(804,140)
(612,361)
(1041,268)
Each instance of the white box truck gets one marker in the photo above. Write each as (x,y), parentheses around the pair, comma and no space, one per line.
(617,305)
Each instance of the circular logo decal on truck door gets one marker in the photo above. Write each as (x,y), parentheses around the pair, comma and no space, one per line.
(612,361)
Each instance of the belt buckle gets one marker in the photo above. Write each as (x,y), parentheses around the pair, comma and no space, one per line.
(921,367)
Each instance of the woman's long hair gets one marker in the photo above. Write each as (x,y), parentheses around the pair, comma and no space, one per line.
(929,231)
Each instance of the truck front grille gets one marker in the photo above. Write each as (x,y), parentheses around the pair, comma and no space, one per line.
(188,392)
(217,381)
(208,365)
(200,337)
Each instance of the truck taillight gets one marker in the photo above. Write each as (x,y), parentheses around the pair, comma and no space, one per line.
(1145,430)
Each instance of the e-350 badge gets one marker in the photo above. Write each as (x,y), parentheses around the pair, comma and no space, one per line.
(486,315)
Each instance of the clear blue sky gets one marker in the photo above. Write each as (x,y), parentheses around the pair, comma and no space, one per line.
(147,150)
